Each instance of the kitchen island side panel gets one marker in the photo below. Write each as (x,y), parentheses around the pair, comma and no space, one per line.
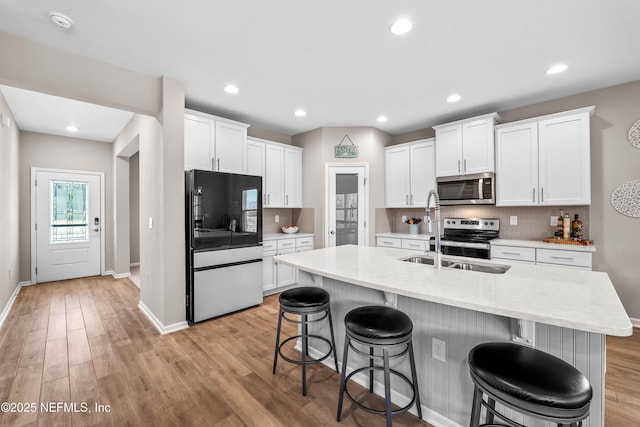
(445,387)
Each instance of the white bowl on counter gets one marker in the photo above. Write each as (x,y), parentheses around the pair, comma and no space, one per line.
(288,229)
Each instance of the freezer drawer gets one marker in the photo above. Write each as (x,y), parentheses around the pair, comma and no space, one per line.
(225,289)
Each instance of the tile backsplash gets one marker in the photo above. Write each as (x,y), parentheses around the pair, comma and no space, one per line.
(533,222)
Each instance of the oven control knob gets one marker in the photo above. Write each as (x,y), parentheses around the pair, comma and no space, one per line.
(491,223)
(486,223)
(448,222)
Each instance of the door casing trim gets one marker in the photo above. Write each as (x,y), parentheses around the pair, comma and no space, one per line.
(327,167)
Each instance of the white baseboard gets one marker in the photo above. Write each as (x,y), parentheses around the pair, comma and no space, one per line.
(107,273)
(120,275)
(158,324)
(635,322)
(134,264)
(12,298)
(429,415)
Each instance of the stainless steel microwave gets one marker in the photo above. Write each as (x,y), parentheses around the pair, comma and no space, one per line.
(476,189)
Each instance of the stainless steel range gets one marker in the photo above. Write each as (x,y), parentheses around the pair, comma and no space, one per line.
(469,237)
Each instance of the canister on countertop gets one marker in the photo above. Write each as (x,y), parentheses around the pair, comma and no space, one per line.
(566,226)
(560,225)
(576,228)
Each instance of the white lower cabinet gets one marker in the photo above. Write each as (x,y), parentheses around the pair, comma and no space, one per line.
(421,245)
(543,256)
(277,276)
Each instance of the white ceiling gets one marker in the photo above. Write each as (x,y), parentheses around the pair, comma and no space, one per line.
(337,60)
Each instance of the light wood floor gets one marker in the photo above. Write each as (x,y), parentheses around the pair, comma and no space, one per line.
(85,342)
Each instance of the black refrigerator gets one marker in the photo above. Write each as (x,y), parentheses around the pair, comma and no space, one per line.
(224,243)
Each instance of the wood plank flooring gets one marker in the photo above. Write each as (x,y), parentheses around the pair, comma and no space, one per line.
(85,343)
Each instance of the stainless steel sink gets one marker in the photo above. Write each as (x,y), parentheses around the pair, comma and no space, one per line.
(427,260)
(482,268)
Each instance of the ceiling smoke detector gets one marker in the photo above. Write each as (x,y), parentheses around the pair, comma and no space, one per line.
(61,20)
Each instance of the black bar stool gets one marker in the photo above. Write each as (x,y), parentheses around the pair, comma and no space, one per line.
(387,330)
(529,381)
(304,301)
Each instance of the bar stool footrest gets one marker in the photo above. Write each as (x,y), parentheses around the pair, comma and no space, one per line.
(379,411)
(308,362)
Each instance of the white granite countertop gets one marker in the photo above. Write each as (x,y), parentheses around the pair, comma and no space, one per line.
(543,245)
(275,236)
(577,299)
(406,236)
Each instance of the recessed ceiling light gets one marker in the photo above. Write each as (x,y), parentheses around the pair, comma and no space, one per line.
(401,26)
(557,69)
(454,98)
(232,89)
(300,113)
(72,129)
(61,20)
(382,119)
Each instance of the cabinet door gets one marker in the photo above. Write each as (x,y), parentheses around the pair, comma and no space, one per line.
(256,162)
(292,178)
(198,143)
(286,274)
(423,172)
(230,143)
(449,150)
(477,146)
(274,176)
(268,273)
(565,160)
(517,165)
(397,176)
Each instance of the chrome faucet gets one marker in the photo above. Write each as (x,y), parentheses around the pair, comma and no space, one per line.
(437,260)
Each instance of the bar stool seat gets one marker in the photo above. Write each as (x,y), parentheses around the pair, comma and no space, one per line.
(304,301)
(389,331)
(529,381)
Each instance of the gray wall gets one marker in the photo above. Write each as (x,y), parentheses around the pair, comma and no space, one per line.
(59,152)
(318,147)
(134,209)
(9,213)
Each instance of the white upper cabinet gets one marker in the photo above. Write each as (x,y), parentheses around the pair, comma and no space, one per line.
(280,166)
(466,146)
(292,177)
(214,143)
(545,160)
(409,173)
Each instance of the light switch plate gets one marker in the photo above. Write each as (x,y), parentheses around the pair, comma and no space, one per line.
(150,222)
(404,218)
(513,220)
(439,349)
(553,221)
(277,219)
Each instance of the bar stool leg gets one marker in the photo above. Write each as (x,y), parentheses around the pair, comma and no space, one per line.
(275,353)
(305,350)
(414,377)
(333,340)
(371,370)
(387,386)
(477,407)
(347,343)
(491,404)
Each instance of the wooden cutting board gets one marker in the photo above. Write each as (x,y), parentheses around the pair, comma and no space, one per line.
(568,241)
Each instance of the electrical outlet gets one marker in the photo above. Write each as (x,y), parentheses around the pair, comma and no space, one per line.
(439,349)
(553,221)
(150,222)
(513,220)
(277,219)
(404,218)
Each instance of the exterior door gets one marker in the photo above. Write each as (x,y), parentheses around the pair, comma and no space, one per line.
(346,206)
(67,225)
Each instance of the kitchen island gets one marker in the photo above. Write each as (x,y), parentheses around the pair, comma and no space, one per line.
(573,311)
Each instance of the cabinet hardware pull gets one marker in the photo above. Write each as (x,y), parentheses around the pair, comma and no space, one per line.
(512,253)
(218,163)
(464,167)
(412,199)
(213,163)
(534,195)
(542,194)
(562,257)
(458,166)
(268,199)
(406,199)
(286,199)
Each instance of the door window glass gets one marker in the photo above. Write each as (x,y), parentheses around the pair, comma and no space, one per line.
(346,209)
(69,220)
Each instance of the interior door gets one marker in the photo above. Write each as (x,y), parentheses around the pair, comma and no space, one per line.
(346,205)
(68,225)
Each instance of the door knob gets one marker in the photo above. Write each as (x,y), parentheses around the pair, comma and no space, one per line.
(96,229)
(332,232)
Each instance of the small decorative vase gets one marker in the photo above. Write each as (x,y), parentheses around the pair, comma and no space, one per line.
(413,228)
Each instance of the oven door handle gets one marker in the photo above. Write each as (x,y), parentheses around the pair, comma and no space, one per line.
(465,244)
